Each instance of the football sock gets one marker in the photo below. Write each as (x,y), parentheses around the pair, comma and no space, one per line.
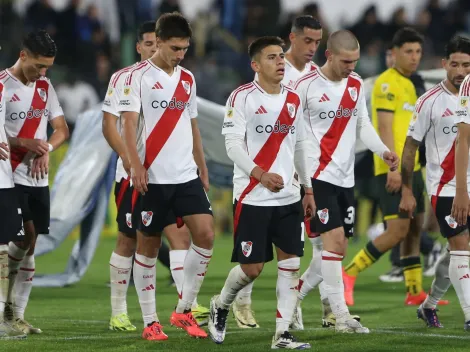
(244,295)
(120,273)
(236,280)
(287,280)
(459,274)
(311,278)
(144,280)
(365,258)
(23,286)
(413,273)
(195,266)
(15,257)
(440,284)
(333,283)
(3,278)
(177,258)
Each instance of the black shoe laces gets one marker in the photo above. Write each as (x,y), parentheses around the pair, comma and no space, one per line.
(221,318)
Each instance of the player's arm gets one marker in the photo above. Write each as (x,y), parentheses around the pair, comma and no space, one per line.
(461,204)
(129,108)
(4,148)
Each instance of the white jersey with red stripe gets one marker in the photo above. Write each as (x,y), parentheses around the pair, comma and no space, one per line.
(28,110)
(111,105)
(434,118)
(6,175)
(271,125)
(167,104)
(463,108)
(332,111)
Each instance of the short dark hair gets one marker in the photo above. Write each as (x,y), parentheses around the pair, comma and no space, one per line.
(39,43)
(260,43)
(173,25)
(457,44)
(308,21)
(407,35)
(146,27)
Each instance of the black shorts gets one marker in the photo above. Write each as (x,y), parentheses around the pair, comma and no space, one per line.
(10,216)
(389,203)
(258,228)
(335,208)
(442,208)
(35,203)
(127,213)
(163,202)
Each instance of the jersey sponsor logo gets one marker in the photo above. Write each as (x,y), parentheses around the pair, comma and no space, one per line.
(390,96)
(172,104)
(461,113)
(42,94)
(147,217)
(353,93)
(451,222)
(341,112)
(247,248)
(291,108)
(449,130)
(186,86)
(464,101)
(276,128)
(30,114)
(107,102)
(323,215)
(124,102)
(229,124)
(408,107)
(129,220)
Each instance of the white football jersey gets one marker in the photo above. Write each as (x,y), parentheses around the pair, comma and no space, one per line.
(28,110)
(111,105)
(167,104)
(6,176)
(435,119)
(463,108)
(271,126)
(332,111)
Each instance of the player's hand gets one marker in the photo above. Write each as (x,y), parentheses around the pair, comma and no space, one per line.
(460,208)
(37,146)
(204,176)
(272,181)
(40,167)
(140,178)
(4,151)
(308,203)
(393,184)
(392,160)
(407,202)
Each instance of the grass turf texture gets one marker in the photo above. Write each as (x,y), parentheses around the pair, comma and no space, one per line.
(76,318)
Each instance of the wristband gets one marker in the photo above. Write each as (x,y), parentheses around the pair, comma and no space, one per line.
(310,193)
(51,148)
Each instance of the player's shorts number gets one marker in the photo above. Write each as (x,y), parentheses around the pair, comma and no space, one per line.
(302,231)
(351,215)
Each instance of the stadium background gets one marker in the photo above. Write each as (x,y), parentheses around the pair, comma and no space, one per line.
(95,38)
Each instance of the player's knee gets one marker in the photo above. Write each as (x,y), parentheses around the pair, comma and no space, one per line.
(252,270)
(398,229)
(148,245)
(178,238)
(205,237)
(125,245)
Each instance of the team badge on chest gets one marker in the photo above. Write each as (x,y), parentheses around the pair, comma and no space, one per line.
(42,94)
(353,93)
(186,86)
(291,110)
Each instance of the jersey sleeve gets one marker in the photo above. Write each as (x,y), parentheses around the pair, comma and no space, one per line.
(301,88)
(384,96)
(111,100)
(301,125)
(420,122)
(53,105)
(463,106)
(2,104)
(192,109)
(130,99)
(234,120)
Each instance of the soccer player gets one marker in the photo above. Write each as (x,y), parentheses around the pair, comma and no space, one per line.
(334,109)
(10,219)
(121,259)
(393,100)
(31,103)
(305,37)
(164,94)
(266,139)
(434,119)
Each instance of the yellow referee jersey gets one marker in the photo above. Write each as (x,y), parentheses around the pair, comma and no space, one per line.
(395,93)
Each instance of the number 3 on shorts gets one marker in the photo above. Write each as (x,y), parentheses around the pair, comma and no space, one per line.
(349,220)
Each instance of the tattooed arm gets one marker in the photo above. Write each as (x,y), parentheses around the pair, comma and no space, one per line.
(408,201)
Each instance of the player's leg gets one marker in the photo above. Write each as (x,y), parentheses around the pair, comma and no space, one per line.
(242,309)
(252,248)
(120,263)
(288,236)
(192,204)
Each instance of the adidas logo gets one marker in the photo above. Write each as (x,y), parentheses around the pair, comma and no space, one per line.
(447,113)
(157,86)
(261,110)
(149,288)
(14,98)
(323,98)
(466,276)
